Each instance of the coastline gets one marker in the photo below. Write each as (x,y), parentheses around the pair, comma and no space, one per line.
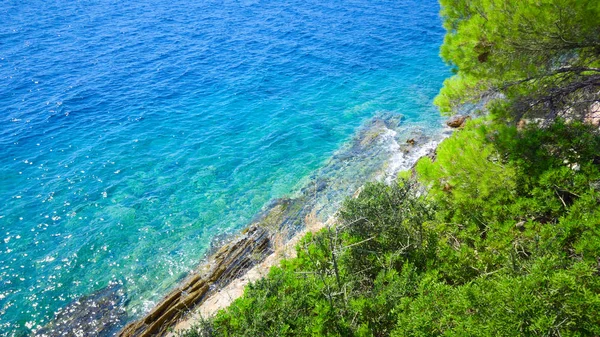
(384,146)
(223,297)
(380,150)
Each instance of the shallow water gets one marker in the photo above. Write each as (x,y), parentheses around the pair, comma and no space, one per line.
(132,134)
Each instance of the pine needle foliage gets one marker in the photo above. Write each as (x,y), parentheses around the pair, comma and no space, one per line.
(541,57)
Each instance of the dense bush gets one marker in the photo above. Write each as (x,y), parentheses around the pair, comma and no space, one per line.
(499,235)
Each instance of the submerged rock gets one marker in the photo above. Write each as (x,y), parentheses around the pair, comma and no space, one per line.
(99,314)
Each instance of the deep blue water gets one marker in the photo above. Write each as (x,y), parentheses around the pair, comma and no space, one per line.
(132,133)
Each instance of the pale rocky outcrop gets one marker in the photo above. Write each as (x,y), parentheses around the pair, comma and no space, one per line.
(593,115)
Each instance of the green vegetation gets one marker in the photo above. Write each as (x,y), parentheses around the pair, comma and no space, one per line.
(506,241)
(543,55)
(498,235)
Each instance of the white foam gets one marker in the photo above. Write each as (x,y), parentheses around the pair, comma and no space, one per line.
(400,160)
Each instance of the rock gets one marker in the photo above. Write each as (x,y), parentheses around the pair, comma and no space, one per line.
(593,115)
(575,167)
(524,122)
(321,185)
(447,187)
(520,225)
(99,314)
(374,130)
(227,264)
(457,121)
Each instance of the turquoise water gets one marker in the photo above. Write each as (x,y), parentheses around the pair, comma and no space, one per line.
(133,133)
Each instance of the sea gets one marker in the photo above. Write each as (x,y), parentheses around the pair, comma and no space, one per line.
(134,133)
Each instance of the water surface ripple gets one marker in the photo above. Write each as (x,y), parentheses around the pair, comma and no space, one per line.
(132,133)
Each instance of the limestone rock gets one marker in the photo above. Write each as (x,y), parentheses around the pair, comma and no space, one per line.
(228,263)
(457,121)
(593,115)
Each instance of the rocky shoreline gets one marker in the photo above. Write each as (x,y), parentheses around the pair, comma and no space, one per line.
(382,148)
